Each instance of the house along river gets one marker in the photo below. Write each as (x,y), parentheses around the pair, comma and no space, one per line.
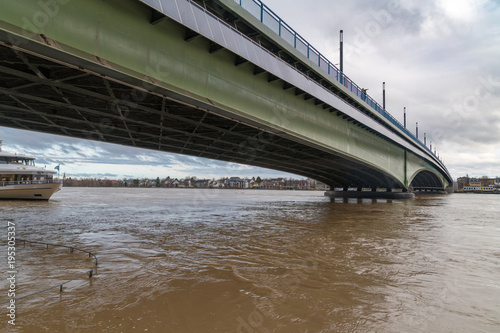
(181,260)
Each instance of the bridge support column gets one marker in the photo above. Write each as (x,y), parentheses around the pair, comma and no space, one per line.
(369,194)
(432,191)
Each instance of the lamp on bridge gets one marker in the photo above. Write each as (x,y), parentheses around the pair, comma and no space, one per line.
(341,51)
(383,95)
(404,117)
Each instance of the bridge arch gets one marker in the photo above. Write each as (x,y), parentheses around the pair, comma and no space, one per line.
(426,179)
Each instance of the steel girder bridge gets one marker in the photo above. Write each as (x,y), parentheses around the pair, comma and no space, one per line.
(220,79)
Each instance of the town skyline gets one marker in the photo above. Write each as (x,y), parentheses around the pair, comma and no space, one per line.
(194,182)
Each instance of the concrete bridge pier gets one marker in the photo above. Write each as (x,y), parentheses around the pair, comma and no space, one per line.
(437,191)
(370,194)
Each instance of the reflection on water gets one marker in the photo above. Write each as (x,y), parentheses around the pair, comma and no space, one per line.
(257,261)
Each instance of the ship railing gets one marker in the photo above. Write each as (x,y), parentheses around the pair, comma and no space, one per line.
(28,182)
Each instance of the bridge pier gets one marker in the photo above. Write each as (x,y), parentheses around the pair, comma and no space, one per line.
(370,194)
(434,190)
(431,192)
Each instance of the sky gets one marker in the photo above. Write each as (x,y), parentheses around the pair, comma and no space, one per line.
(439,58)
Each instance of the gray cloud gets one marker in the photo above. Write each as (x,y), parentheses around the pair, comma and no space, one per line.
(76,155)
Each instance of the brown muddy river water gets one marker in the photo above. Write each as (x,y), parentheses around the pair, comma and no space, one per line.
(181,260)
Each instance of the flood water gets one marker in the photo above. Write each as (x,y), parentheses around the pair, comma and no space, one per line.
(182,260)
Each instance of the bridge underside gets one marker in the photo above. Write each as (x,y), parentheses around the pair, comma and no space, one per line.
(426,181)
(49,96)
(119,72)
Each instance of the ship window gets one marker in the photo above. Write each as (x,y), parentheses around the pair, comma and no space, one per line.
(3,160)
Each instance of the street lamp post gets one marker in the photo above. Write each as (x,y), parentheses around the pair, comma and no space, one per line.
(342,51)
(383,94)
(404,117)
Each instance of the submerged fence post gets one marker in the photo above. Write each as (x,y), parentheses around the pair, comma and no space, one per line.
(72,249)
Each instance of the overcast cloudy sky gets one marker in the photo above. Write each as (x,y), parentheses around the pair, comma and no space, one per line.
(439,58)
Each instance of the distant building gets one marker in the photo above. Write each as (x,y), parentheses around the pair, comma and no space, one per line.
(218,183)
(274,184)
(486,181)
(203,183)
(253,184)
(483,184)
(475,182)
(237,182)
(462,182)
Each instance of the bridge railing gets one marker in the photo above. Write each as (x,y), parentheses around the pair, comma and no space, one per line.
(265,15)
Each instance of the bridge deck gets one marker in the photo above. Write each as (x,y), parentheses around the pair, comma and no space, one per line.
(138,79)
(238,41)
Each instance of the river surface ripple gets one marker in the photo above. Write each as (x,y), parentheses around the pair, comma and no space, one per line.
(182,260)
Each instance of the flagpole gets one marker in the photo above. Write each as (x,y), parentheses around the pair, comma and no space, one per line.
(58,167)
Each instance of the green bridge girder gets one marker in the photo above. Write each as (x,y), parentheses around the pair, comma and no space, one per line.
(101,70)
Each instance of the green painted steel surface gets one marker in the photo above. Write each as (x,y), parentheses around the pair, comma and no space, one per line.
(270,34)
(117,34)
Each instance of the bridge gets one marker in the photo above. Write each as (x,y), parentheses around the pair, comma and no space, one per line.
(219,79)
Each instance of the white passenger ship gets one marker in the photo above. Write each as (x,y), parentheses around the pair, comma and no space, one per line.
(21,179)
